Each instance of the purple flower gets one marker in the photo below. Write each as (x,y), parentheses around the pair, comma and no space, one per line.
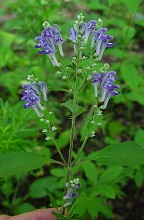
(100,41)
(84,30)
(50,39)
(89,28)
(104,83)
(32,94)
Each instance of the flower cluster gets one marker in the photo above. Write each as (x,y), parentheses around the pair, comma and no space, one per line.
(32,94)
(81,32)
(71,193)
(50,39)
(100,41)
(104,84)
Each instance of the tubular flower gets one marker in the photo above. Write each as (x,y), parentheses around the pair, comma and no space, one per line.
(71,193)
(50,39)
(100,41)
(32,95)
(84,30)
(104,84)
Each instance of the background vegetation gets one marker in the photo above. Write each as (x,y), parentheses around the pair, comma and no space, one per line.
(110,193)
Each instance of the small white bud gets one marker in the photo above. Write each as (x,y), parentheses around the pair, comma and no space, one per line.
(48,138)
(92,134)
(50,113)
(64,78)
(92,122)
(94,64)
(47,121)
(42,120)
(99,123)
(44,130)
(58,72)
(88,68)
(54,128)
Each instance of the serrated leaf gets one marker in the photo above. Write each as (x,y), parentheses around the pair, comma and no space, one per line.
(51,197)
(19,162)
(123,154)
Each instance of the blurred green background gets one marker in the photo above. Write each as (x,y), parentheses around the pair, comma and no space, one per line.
(116,192)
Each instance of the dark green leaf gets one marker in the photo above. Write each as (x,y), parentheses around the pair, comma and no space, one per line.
(19,162)
(52,199)
(123,154)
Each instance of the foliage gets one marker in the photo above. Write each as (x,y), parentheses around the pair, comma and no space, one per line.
(122,121)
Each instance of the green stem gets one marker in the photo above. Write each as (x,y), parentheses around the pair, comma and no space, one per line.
(81,149)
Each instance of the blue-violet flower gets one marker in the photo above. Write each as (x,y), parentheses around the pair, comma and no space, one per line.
(50,39)
(104,84)
(32,94)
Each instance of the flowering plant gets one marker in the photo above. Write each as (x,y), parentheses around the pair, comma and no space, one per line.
(92,37)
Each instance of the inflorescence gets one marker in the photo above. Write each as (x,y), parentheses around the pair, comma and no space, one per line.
(71,193)
(50,39)
(33,93)
(104,84)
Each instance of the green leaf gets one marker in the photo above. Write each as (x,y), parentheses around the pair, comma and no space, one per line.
(25,207)
(36,189)
(130,75)
(106,190)
(90,170)
(69,104)
(139,137)
(111,174)
(132,5)
(123,154)
(19,162)
(64,138)
(59,172)
(51,197)
(80,110)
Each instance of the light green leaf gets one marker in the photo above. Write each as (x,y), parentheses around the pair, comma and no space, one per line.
(106,190)
(64,138)
(122,154)
(111,173)
(37,188)
(90,170)
(130,75)
(59,172)
(19,162)
(139,137)
(132,5)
